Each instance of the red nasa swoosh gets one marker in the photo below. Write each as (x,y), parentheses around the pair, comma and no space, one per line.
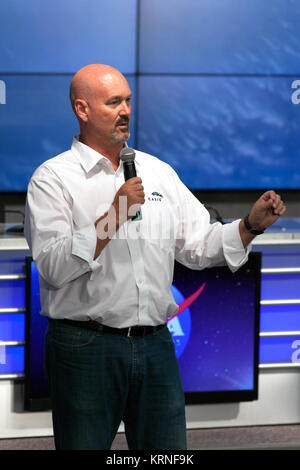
(187,302)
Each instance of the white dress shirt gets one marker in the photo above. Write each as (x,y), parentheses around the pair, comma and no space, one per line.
(129,283)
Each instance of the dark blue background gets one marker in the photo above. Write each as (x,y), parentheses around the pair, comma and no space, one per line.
(220,354)
(212,83)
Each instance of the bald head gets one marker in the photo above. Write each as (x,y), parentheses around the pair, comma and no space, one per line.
(90,78)
(101,100)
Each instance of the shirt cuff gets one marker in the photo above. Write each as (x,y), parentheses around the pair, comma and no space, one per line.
(234,251)
(84,245)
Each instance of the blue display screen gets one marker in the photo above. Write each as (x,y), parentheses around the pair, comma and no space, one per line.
(220,36)
(222,132)
(36,123)
(216,345)
(63,36)
(212,85)
(216,336)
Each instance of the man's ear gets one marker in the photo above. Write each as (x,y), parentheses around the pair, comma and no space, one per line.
(81,109)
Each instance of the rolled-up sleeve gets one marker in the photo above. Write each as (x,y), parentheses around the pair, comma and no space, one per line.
(234,251)
(61,250)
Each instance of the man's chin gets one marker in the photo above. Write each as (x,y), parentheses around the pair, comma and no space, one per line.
(120,139)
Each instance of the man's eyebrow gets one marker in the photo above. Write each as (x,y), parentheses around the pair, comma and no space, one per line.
(118,97)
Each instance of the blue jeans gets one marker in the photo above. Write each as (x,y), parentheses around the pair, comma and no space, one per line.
(98,379)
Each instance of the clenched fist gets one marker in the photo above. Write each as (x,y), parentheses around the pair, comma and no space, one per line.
(267,209)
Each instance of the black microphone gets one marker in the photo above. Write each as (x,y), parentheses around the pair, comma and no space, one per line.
(127,155)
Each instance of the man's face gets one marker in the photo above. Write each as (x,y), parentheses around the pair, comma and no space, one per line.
(109,109)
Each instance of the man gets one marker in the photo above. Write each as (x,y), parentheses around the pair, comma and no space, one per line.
(105,278)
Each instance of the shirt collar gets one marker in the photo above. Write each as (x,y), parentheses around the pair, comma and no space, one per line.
(87,156)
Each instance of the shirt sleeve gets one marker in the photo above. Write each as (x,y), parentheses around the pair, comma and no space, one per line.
(61,250)
(201,244)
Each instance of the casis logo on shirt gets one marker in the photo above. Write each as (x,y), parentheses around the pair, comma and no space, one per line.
(155,196)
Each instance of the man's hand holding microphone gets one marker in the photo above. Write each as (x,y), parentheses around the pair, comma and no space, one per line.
(126,204)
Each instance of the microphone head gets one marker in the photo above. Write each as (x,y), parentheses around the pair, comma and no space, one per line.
(127,155)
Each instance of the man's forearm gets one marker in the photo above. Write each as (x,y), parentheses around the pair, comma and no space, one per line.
(106,227)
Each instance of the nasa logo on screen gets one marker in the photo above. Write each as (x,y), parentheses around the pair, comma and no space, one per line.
(179,324)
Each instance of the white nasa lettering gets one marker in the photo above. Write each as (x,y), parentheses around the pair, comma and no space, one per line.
(175,327)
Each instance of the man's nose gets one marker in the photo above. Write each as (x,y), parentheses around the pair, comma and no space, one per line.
(125,109)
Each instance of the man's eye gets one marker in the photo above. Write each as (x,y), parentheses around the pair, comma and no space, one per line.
(117,101)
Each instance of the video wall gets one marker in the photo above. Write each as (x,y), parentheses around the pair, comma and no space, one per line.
(211,80)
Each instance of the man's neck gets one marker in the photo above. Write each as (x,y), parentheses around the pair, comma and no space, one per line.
(110,151)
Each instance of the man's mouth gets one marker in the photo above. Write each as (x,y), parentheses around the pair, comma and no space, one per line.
(123,123)
(123,126)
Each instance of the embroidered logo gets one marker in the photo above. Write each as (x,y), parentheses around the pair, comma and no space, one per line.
(155,196)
